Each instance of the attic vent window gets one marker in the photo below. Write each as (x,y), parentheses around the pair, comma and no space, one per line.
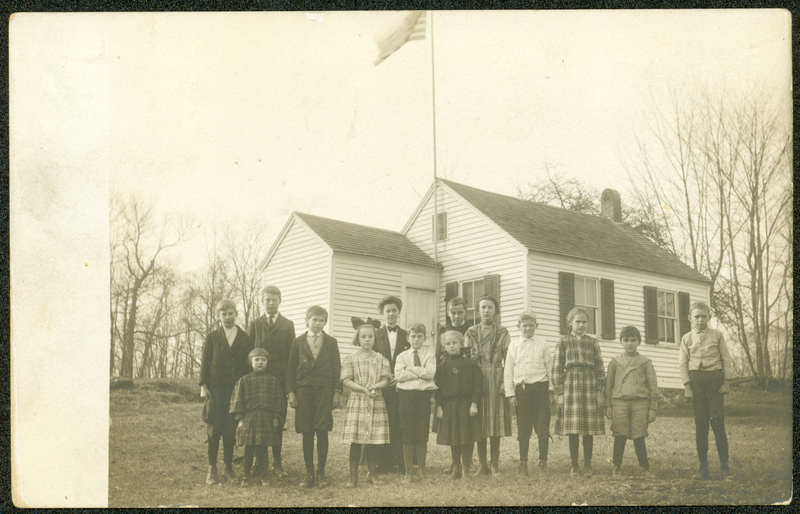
(440,227)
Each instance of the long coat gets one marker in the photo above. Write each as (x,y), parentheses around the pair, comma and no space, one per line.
(277,340)
(223,364)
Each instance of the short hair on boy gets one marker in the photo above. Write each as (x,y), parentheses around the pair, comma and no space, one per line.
(527,316)
(418,328)
(386,300)
(257,352)
(630,331)
(356,341)
(455,333)
(703,306)
(226,304)
(574,312)
(316,310)
(271,290)
(458,300)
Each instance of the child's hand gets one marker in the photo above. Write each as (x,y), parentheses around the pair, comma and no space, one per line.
(512,401)
(726,387)
(203,391)
(337,399)
(439,412)
(608,412)
(552,397)
(292,401)
(688,391)
(651,416)
(600,398)
(560,399)
(241,422)
(473,410)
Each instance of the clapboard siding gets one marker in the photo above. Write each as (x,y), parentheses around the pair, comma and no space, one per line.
(359,283)
(301,268)
(628,298)
(473,249)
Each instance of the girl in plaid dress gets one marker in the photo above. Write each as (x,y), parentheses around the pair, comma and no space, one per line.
(366,422)
(488,343)
(579,380)
(257,403)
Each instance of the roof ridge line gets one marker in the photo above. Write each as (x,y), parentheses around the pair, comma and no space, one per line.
(595,216)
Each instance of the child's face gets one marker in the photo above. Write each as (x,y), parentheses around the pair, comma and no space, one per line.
(579,324)
(391,313)
(486,308)
(630,344)
(416,339)
(452,345)
(458,314)
(316,323)
(271,303)
(366,338)
(259,363)
(527,327)
(227,317)
(699,319)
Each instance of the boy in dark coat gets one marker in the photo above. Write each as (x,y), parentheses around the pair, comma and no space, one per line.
(312,380)
(223,363)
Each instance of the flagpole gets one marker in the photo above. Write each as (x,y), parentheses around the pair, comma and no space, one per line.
(435,194)
(435,178)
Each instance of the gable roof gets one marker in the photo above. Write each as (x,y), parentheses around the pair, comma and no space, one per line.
(548,229)
(354,239)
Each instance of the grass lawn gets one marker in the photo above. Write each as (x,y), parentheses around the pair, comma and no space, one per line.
(157,458)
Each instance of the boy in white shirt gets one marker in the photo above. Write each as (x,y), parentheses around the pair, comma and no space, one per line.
(527,381)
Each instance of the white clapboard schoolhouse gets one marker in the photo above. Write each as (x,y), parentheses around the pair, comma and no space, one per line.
(528,255)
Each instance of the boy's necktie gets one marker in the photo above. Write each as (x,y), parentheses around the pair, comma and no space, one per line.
(416,359)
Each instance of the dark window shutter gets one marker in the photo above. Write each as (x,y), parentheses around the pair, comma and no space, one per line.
(683,313)
(439,226)
(450,292)
(607,309)
(650,315)
(492,285)
(566,297)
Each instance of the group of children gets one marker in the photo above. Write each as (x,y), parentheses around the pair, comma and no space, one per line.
(476,374)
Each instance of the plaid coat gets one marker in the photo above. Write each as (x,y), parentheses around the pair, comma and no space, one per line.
(258,401)
(578,374)
(366,419)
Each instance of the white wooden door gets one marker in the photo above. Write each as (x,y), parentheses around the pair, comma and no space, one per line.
(420,307)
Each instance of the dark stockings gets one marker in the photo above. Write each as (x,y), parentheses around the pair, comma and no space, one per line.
(588,441)
(638,445)
(261,453)
(227,451)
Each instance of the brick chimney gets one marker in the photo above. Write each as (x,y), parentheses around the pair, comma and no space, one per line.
(611,205)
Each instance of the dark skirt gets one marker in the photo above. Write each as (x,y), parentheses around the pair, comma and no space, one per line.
(457,427)
(415,415)
(222,422)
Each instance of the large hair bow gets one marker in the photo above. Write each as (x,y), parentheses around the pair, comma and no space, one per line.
(357,322)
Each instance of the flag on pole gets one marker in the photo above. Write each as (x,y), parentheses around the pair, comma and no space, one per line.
(412,29)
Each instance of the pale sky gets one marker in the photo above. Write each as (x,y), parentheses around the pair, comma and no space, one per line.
(241,116)
(254,115)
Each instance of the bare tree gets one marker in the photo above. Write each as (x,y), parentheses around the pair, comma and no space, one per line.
(243,251)
(566,192)
(719,166)
(139,242)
